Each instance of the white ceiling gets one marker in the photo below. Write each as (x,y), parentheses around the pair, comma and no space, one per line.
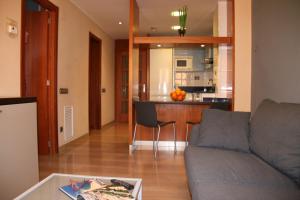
(153,13)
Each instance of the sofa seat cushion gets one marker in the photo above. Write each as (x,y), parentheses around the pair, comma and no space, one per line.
(214,173)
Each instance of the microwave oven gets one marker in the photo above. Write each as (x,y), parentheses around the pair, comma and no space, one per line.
(184,63)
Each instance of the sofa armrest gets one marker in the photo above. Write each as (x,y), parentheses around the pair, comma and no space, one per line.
(195,132)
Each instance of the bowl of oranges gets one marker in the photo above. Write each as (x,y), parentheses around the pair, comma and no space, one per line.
(178,95)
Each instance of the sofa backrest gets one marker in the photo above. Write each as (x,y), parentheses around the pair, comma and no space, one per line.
(275,136)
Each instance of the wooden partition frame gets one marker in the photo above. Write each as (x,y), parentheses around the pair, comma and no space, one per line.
(182,40)
(134,39)
(133,30)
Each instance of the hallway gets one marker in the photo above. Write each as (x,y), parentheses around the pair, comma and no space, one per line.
(105,153)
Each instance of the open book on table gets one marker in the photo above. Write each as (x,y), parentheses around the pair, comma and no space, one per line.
(94,189)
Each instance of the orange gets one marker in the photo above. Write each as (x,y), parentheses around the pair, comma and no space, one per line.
(180,98)
(174,96)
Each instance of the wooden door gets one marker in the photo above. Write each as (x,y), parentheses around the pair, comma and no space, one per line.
(36,71)
(94,82)
(144,72)
(121,91)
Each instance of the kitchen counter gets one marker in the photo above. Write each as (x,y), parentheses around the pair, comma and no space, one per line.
(181,112)
(205,101)
(18,146)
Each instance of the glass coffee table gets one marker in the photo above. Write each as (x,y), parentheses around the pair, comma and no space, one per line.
(48,189)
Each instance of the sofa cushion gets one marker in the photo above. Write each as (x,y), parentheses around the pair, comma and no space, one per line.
(224,129)
(224,174)
(275,136)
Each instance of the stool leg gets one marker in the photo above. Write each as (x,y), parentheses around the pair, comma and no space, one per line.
(186,134)
(174,131)
(134,134)
(158,133)
(153,133)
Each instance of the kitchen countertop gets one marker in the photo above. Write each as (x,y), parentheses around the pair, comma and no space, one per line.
(188,102)
(16,100)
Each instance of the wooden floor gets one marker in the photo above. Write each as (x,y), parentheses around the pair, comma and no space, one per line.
(105,153)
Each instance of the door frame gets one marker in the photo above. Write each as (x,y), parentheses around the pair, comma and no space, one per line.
(52,67)
(94,37)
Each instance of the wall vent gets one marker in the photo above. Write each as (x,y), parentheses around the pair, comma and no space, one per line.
(68,123)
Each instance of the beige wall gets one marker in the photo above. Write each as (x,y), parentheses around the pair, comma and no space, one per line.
(9,49)
(73,47)
(73,38)
(243,47)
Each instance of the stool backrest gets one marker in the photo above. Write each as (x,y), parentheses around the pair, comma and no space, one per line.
(220,106)
(145,114)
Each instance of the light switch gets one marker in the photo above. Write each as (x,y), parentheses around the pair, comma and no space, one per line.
(12,29)
(63,91)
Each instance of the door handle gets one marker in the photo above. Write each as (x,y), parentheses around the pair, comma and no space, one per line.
(144,88)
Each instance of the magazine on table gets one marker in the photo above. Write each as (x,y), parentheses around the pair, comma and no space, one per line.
(94,189)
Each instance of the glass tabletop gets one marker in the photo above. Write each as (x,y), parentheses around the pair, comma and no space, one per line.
(48,189)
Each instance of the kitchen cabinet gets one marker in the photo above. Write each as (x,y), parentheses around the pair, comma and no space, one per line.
(18,146)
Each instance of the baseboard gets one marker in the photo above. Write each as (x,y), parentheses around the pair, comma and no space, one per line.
(109,124)
(162,145)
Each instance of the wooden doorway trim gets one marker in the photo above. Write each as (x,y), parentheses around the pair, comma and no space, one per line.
(94,90)
(52,67)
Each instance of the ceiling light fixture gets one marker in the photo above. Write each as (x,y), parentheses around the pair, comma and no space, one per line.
(202,45)
(175,13)
(120,23)
(175,27)
(159,45)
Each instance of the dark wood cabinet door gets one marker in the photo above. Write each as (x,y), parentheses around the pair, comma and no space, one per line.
(121,66)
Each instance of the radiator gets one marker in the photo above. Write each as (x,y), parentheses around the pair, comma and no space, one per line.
(68,123)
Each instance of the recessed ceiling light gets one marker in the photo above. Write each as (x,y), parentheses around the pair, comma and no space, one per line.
(202,45)
(120,23)
(175,27)
(175,13)
(159,45)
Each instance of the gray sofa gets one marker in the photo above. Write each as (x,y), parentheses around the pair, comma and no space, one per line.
(229,157)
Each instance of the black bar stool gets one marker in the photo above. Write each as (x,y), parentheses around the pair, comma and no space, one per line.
(146,115)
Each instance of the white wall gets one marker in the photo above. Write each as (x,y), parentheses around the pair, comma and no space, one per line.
(276,52)
(243,46)
(73,40)
(9,49)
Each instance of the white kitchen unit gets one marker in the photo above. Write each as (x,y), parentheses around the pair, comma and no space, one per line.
(18,146)
(161,73)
